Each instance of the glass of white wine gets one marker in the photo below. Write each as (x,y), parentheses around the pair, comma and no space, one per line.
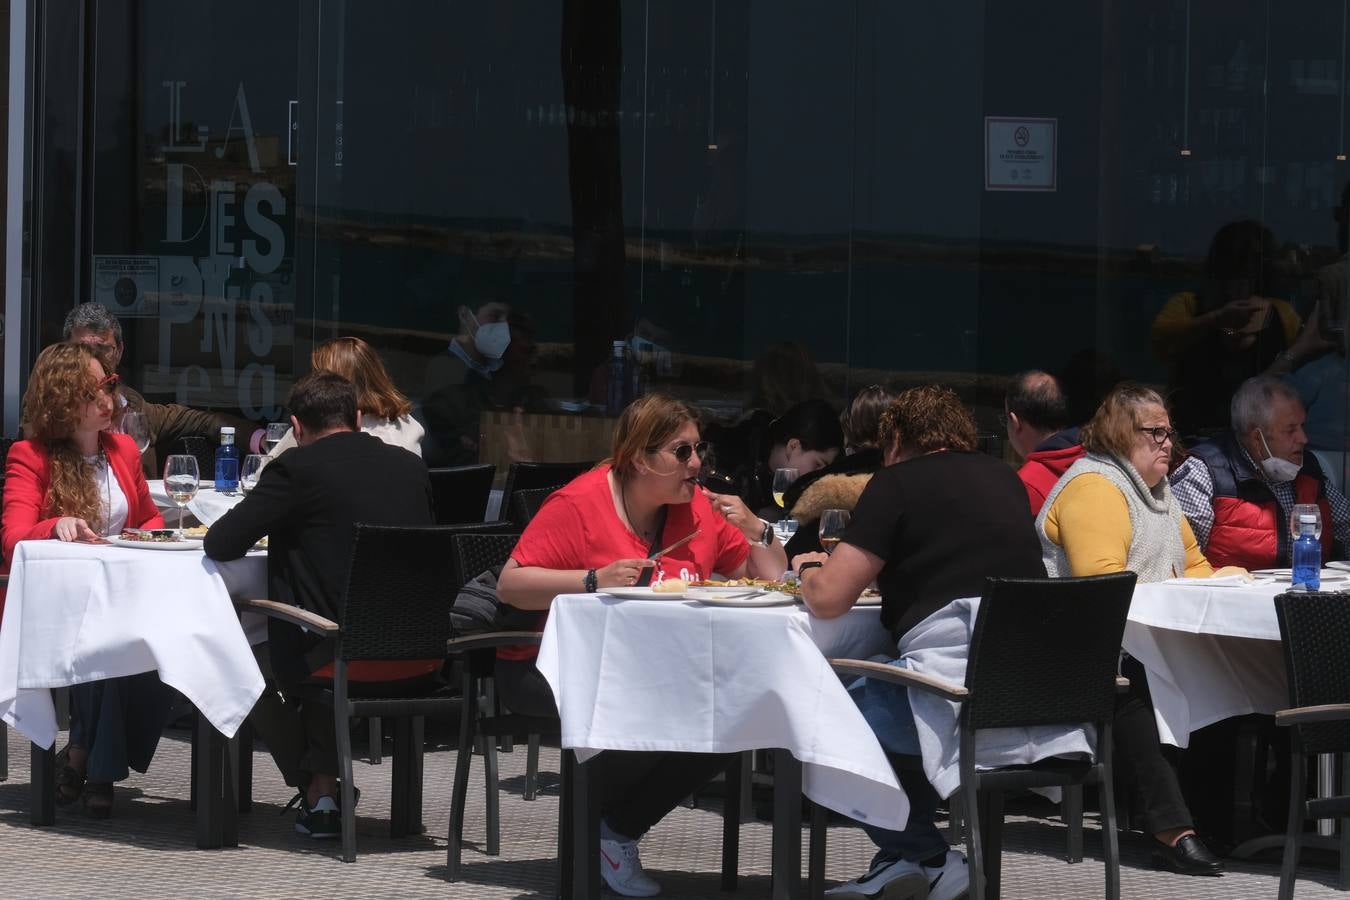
(782,480)
(180,483)
(250,470)
(833,522)
(275,432)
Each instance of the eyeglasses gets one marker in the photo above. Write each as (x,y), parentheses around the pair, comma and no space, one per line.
(1161,434)
(107,385)
(682,452)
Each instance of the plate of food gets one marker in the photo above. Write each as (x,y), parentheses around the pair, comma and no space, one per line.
(153,539)
(746,598)
(869,598)
(670,589)
(740,585)
(198,533)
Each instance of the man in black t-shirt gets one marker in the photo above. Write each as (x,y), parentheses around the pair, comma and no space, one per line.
(929,529)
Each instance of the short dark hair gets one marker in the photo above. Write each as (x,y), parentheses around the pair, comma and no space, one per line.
(1038,400)
(94,316)
(812,422)
(322,401)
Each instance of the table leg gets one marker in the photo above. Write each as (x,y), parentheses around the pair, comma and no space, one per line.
(581,798)
(42,785)
(217,822)
(787,826)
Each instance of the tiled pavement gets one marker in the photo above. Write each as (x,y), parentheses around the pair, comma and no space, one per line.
(147,850)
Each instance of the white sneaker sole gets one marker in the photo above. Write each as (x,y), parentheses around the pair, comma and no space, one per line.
(911,886)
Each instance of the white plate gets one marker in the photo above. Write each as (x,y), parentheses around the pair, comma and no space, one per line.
(639,593)
(1288,574)
(731,597)
(1339,564)
(155,545)
(874,600)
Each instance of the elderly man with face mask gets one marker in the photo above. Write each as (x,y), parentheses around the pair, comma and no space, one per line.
(1238,489)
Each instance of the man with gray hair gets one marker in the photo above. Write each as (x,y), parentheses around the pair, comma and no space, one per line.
(1239,489)
(93,323)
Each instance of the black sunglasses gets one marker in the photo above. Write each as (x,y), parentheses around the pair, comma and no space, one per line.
(682,452)
(1161,434)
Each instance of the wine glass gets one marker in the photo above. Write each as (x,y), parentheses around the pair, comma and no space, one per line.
(180,482)
(833,522)
(275,432)
(782,480)
(250,470)
(1305,509)
(136,426)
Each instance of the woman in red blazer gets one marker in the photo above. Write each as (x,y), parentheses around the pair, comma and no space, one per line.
(72,480)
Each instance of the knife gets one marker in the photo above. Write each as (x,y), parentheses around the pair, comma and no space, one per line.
(680,543)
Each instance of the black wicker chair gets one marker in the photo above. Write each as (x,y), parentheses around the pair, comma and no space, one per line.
(480,718)
(1315,629)
(460,494)
(396,608)
(1043,652)
(204,449)
(527,502)
(524,476)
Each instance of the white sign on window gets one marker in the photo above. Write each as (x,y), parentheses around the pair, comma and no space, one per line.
(127,285)
(1020,154)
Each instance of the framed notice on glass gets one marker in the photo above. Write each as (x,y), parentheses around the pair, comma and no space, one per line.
(1020,154)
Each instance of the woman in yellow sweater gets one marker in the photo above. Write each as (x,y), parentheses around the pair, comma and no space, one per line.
(1112,511)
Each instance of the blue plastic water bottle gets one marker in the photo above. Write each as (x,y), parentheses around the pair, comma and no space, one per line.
(1307,555)
(227,463)
(620,386)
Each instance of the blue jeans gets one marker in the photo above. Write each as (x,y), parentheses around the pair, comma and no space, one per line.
(886,708)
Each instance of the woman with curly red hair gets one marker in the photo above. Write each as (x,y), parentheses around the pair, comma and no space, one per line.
(72,480)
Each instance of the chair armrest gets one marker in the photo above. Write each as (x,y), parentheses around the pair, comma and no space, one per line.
(902,677)
(1122,684)
(491,639)
(1303,715)
(293,614)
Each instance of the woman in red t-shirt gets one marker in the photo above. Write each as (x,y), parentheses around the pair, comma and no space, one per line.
(596,533)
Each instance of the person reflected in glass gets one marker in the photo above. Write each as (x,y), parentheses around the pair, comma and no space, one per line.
(841,483)
(1232,328)
(72,479)
(486,366)
(1114,511)
(598,532)
(385,412)
(928,529)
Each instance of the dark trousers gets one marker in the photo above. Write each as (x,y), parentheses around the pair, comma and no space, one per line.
(119,721)
(637,789)
(1143,759)
(300,736)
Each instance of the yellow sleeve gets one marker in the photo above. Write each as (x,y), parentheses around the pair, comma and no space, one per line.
(1090,520)
(1171,324)
(1196,564)
(1290,323)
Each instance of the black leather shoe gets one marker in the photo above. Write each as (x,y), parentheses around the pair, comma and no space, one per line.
(1189,857)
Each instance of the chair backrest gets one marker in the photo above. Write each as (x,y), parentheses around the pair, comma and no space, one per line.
(460,493)
(475,553)
(526,503)
(202,447)
(524,476)
(1315,629)
(398,593)
(1045,650)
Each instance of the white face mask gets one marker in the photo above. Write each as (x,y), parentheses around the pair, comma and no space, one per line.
(1277,469)
(492,339)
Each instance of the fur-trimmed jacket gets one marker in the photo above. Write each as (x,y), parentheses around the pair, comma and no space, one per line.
(827,492)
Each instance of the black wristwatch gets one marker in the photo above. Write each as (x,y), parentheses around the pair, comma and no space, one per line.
(809,564)
(590,582)
(766,536)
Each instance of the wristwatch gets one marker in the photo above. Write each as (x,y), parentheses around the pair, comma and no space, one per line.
(766,536)
(590,582)
(809,564)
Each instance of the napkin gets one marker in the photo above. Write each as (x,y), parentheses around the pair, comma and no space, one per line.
(1224,581)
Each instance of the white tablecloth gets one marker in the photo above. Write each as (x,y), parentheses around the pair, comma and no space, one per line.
(1210,653)
(81,612)
(206,506)
(680,676)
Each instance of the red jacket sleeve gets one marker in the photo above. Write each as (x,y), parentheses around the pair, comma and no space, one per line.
(125,458)
(26,479)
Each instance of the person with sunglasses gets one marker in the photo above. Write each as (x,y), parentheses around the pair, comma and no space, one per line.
(602,530)
(1114,511)
(73,480)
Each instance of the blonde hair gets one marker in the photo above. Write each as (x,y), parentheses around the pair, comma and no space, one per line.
(646,424)
(1112,429)
(357,361)
(59,388)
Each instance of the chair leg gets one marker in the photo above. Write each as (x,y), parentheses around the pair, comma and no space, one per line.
(460,793)
(1293,832)
(494,837)
(398,800)
(1110,827)
(192,767)
(815,856)
(375,741)
(342,724)
(731,824)
(1071,809)
(419,742)
(991,810)
(532,768)
(974,844)
(4,752)
(955,803)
